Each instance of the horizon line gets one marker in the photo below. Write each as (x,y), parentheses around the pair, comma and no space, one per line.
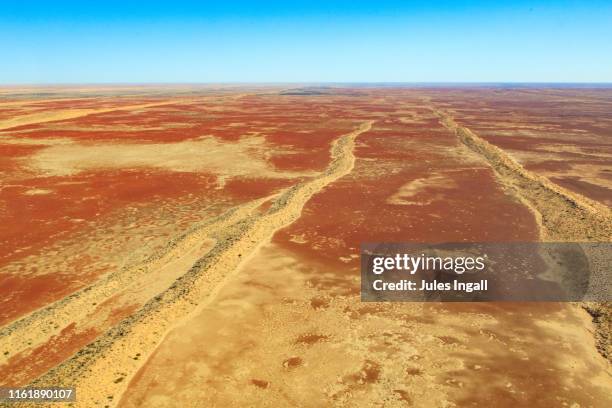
(308,83)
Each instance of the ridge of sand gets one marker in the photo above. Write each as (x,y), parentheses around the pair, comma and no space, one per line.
(563,216)
(39,326)
(64,114)
(103,368)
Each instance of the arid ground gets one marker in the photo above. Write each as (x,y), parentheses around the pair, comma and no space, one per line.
(199,246)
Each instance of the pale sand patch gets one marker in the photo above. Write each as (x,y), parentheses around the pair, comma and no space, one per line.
(253,318)
(298,239)
(435,182)
(30,141)
(247,157)
(353,354)
(38,191)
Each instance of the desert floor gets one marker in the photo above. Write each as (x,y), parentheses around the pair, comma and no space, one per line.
(199,246)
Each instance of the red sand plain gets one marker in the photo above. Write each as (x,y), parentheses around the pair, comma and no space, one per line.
(86,199)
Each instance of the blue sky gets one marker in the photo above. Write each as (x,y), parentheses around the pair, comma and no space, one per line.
(305,41)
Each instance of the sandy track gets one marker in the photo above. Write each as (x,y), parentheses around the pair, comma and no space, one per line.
(102,369)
